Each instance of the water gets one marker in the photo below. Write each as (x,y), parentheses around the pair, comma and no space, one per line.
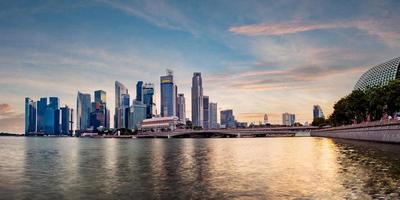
(243,168)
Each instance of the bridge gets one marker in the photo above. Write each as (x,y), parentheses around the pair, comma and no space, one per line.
(240,132)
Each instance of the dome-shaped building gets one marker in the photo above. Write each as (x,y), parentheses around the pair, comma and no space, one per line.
(379,75)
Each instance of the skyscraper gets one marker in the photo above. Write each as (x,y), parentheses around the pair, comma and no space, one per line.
(41,111)
(139,91)
(148,92)
(52,117)
(168,96)
(213,115)
(83,109)
(181,108)
(317,112)
(119,90)
(197,99)
(137,114)
(65,120)
(100,96)
(124,111)
(227,119)
(30,116)
(288,119)
(206,112)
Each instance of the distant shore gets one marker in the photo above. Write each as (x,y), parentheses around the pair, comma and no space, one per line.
(11,134)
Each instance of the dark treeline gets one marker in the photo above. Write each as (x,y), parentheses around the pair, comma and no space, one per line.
(370,104)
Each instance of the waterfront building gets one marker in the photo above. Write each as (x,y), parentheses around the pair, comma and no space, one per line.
(148,92)
(181,109)
(139,91)
(66,120)
(227,119)
(159,124)
(83,109)
(317,112)
(102,114)
(52,117)
(41,111)
(168,96)
(100,96)
(288,119)
(379,75)
(137,114)
(197,99)
(206,112)
(213,115)
(30,116)
(120,89)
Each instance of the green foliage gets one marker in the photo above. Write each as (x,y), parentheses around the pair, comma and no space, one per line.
(372,102)
(320,121)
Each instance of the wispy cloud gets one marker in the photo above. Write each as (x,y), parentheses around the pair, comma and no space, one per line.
(388,34)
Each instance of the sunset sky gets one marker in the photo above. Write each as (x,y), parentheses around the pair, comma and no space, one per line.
(255,57)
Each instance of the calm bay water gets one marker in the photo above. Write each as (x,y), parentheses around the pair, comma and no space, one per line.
(243,168)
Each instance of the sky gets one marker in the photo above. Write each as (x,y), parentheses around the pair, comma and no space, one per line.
(255,57)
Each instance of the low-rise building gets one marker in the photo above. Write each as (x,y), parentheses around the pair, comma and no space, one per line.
(159,124)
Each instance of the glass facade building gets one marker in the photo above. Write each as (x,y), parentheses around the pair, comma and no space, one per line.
(379,75)
(213,115)
(181,108)
(120,89)
(227,119)
(288,119)
(139,91)
(168,96)
(83,109)
(317,112)
(41,111)
(65,120)
(148,92)
(197,99)
(206,112)
(30,116)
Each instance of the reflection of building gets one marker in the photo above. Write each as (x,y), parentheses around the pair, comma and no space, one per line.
(206,112)
(317,112)
(168,96)
(120,89)
(181,109)
(148,92)
(30,116)
(379,75)
(197,99)
(227,119)
(159,123)
(83,109)
(288,119)
(213,115)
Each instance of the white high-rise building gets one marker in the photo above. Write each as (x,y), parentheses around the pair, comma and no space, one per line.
(197,99)
(181,108)
(213,115)
(120,89)
(288,119)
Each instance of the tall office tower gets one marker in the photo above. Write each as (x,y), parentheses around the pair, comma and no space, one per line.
(148,92)
(41,111)
(30,116)
(65,120)
(317,112)
(176,100)
(120,89)
(288,119)
(206,112)
(137,114)
(197,99)
(266,118)
(83,111)
(124,111)
(227,119)
(139,91)
(99,115)
(213,115)
(168,96)
(100,96)
(52,117)
(181,108)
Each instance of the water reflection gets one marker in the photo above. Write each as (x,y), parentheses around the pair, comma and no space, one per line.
(263,168)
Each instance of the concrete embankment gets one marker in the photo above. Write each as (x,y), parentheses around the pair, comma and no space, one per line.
(377,131)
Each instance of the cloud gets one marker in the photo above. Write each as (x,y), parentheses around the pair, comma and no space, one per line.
(10,121)
(384,30)
(158,12)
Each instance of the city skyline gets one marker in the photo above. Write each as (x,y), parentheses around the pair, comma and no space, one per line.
(284,60)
